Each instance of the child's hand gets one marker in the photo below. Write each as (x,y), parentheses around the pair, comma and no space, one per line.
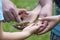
(32,28)
(53,20)
(50,18)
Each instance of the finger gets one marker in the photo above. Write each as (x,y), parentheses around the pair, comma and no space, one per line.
(49,18)
(45,23)
(38,26)
(35,27)
(29,27)
(10,15)
(49,27)
(44,19)
(6,18)
(22,12)
(42,27)
(39,23)
(15,13)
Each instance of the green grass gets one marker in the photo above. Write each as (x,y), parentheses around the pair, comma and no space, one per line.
(29,5)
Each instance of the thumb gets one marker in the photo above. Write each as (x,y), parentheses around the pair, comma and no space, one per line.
(44,19)
(51,18)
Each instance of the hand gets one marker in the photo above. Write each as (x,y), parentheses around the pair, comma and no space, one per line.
(22,14)
(32,28)
(26,17)
(9,10)
(44,13)
(9,15)
(32,14)
(53,21)
(13,15)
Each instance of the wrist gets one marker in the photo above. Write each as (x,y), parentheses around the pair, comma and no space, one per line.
(28,32)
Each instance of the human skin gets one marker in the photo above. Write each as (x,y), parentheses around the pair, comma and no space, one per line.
(46,10)
(29,30)
(53,21)
(11,12)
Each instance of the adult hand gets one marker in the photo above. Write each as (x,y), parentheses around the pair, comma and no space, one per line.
(10,11)
(45,12)
(53,21)
(13,15)
(26,17)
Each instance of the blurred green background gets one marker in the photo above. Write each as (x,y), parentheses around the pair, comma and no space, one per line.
(29,5)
